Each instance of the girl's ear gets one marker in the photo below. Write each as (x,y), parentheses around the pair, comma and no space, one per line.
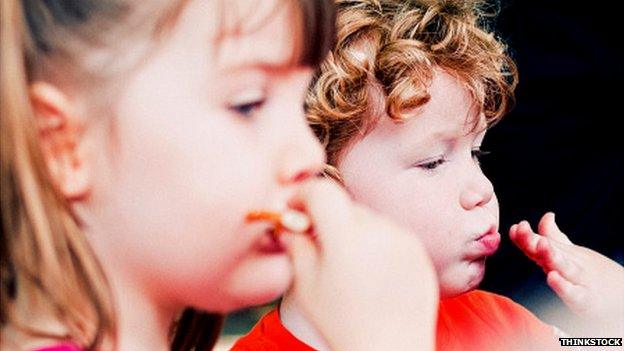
(59,131)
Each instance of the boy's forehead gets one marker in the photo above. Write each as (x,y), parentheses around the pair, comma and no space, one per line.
(451,113)
(434,128)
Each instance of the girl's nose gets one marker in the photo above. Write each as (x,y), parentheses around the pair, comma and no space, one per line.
(301,158)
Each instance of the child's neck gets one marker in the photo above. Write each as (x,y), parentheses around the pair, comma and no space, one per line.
(142,325)
(293,319)
(143,318)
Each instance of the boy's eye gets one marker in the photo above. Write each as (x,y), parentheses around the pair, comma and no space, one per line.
(248,108)
(431,165)
(477,154)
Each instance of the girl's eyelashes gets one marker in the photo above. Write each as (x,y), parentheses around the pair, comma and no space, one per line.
(245,103)
(247,109)
(477,154)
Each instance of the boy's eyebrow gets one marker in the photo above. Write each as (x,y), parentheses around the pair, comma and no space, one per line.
(446,136)
(437,138)
(453,132)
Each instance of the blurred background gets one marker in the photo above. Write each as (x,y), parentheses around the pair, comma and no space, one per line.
(558,150)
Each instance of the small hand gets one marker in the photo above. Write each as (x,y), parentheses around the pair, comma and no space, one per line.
(355,262)
(590,284)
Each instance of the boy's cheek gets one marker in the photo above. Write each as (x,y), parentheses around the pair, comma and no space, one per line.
(493,207)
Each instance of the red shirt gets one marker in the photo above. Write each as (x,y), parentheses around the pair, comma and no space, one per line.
(477,320)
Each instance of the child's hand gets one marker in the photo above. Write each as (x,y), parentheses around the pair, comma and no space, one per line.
(364,282)
(590,284)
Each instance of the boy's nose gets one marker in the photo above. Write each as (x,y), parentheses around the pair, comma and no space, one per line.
(478,192)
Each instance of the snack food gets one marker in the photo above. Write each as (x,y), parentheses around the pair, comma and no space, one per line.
(290,220)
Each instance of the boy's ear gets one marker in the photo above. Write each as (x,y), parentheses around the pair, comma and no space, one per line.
(59,131)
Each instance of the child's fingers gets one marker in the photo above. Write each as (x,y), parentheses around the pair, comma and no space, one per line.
(513,232)
(525,239)
(572,295)
(329,208)
(546,255)
(541,250)
(302,252)
(552,258)
(548,228)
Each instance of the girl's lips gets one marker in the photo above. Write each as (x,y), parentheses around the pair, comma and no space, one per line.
(269,243)
(489,242)
(288,221)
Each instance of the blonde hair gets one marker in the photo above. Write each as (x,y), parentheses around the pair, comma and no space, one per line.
(44,256)
(393,46)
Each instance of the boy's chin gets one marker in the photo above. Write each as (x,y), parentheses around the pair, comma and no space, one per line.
(456,283)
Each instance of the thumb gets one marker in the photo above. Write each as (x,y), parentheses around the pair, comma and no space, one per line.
(302,251)
(548,228)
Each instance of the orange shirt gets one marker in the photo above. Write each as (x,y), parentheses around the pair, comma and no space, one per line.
(473,321)
(479,320)
(270,335)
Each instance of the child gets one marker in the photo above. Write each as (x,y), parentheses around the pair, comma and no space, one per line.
(589,283)
(136,138)
(403,104)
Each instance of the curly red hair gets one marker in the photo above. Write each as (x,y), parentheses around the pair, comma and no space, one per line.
(392,47)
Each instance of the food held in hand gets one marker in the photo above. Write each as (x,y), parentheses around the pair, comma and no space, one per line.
(290,220)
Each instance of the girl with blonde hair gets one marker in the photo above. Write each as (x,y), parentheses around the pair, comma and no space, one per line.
(137,138)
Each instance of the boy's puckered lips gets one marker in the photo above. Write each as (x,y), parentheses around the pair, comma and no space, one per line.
(489,241)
